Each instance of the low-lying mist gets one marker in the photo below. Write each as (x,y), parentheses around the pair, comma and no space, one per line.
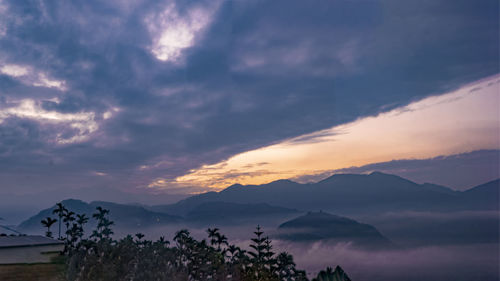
(444,263)
(460,246)
(435,228)
(454,246)
(460,262)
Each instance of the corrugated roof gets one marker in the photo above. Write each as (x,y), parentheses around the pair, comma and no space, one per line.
(25,241)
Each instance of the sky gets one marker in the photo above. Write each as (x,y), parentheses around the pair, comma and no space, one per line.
(180,97)
(460,128)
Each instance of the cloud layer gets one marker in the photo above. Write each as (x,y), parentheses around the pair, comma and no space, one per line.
(425,133)
(120,93)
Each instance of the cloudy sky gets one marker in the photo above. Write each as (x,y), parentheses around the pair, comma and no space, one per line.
(181,97)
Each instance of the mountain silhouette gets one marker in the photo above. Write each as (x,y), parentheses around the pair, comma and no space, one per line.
(483,196)
(349,194)
(346,194)
(132,216)
(315,226)
(123,215)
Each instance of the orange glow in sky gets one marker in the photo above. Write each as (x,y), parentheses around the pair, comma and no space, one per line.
(460,121)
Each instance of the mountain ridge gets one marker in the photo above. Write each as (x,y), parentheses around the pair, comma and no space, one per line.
(343,194)
(346,193)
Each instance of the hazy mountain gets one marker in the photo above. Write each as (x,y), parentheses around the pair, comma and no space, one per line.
(439,189)
(415,229)
(315,226)
(123,215)
(277,201)
(483,196)
(280,189)
(134,216)
(224,213)
(15,208)
(349,194)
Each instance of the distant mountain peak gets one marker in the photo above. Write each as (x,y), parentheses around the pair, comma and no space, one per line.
(282,181)
(233,187)
(279,182)
(72,200)
(376,175)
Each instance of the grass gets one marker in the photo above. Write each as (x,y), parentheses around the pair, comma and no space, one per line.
(53,271)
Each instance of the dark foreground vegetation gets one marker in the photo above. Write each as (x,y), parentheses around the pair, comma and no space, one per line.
(99,257)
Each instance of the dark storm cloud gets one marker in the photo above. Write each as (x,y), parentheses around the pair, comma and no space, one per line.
(263,71)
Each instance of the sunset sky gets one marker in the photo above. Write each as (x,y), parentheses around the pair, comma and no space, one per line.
(180,97)
(462,121)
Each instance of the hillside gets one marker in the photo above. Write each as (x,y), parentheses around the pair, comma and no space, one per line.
(205,214)
(123,215)
(315,226)
(483,196)
(224,213)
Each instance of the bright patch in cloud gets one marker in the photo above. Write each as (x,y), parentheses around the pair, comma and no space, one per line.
(461,121)
(173,32)
(83,123)
(14,70)
(43,81)
(29,76)
(108,114)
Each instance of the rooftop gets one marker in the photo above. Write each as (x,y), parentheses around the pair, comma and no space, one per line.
(26,241)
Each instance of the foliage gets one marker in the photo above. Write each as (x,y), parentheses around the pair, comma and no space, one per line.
(331,275)
(100,257)
(60,210)
(48,222)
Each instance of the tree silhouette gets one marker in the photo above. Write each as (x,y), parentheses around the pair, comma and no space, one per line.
(269,260)
(221,240)
(60,210)
(258,246)
(331,275)
(261,256)
(81,220)
(102,258)
(212,234)
(103,230)
(285,268)
(76,231)
(68,218)
(48,222)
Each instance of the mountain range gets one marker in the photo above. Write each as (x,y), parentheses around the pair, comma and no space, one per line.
(349,194)
(278,201)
